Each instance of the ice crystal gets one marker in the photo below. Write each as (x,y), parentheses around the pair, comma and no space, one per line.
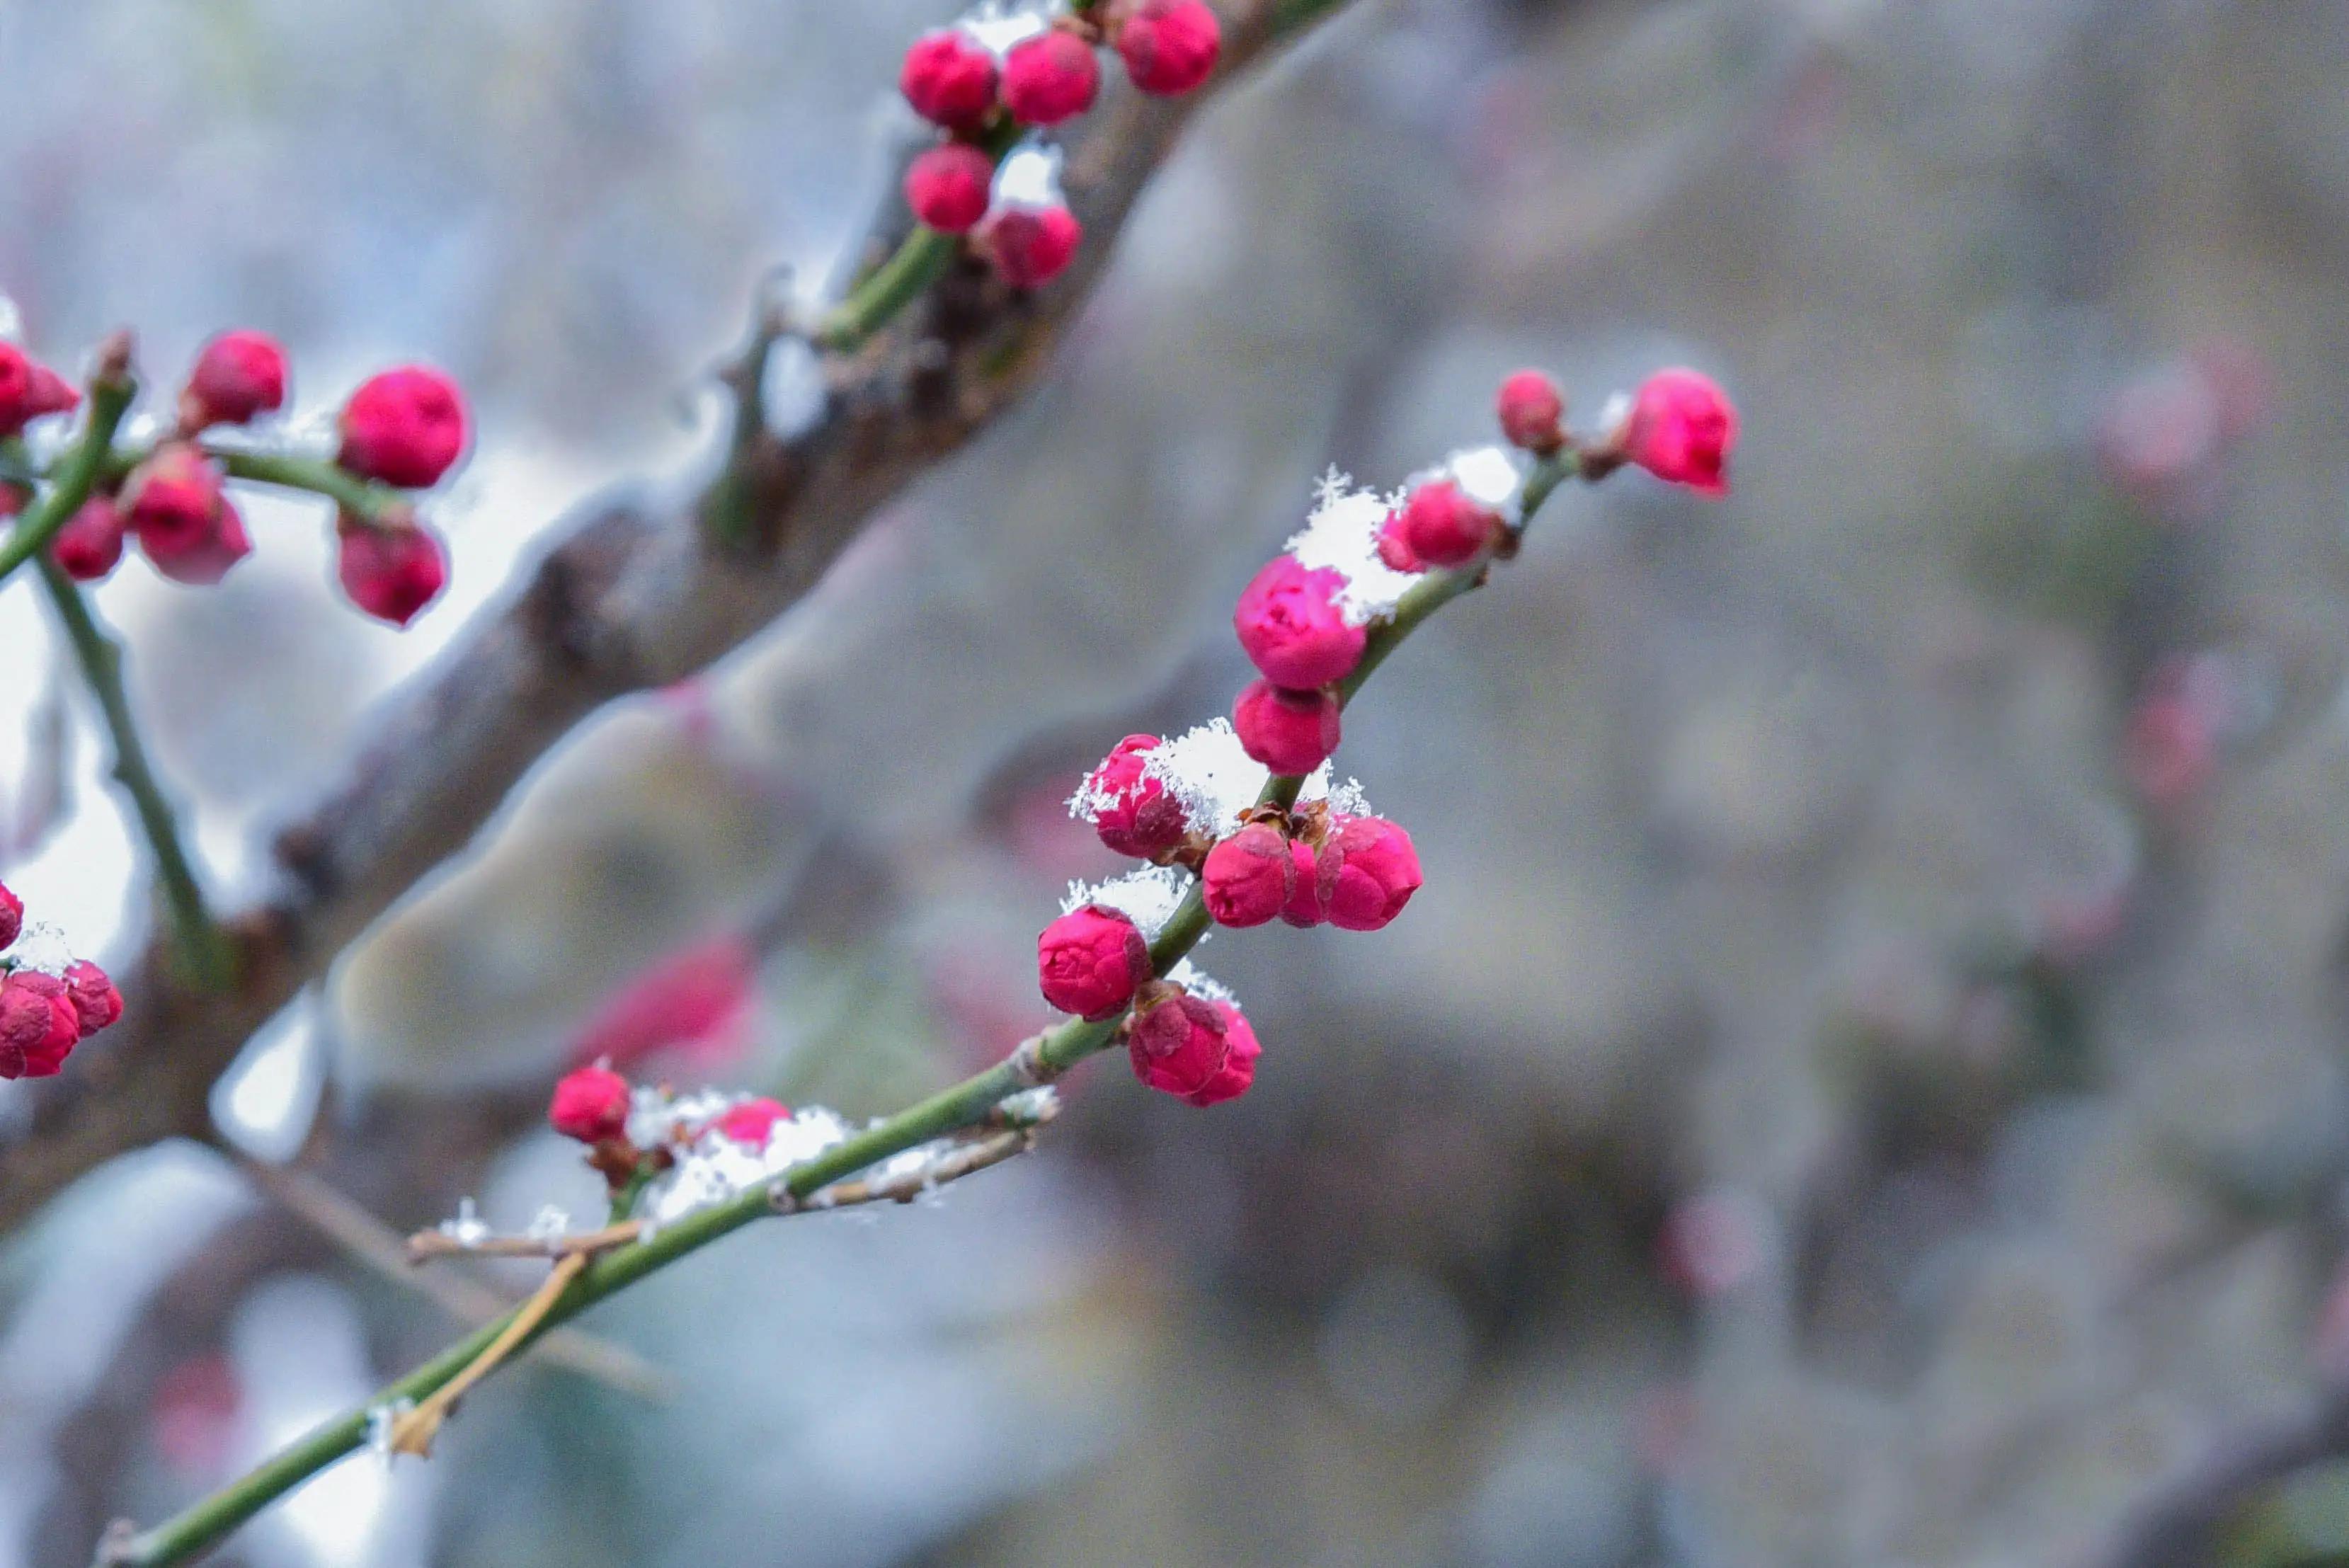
(1147,896)
(380,1419)
(711,1167)
(549,1224)
(1488,475)
(41,947)
(1030,177)
(998,25)
(1202,985)
(1342,533)
(468,1229)
(1209,775)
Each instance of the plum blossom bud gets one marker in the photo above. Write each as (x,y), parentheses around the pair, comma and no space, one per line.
(1315,875)
(949,78)
(1394,546)
(1289,622)
(1531,407)
(590,1104)
(38,1025)
(406,426)
(1377,871)
(389,572)
(52,393)
(1443,526)
(29,389)
(12,917)
(239,374)
(203,561)
(1248,878)
(97,1003)
(174,503)
(1134,815)
(1169,47)
(1288,731)
(1201,1052)
(91,544)
(1682,428)
(1051,77)
(1090,961)
(1030,246)
(752,1120)
(948,187)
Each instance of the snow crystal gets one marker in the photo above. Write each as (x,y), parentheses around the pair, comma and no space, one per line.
(468,1229)
(1209,775)
(1489,475)
(1147,896)
(1030,177)
(380,1419)
(41,947)
(1202,985)
(1031,1105)
(998,25)
(1342,533)
(711,1167)
(549,1224)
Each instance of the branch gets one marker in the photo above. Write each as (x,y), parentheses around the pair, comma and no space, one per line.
(112,389)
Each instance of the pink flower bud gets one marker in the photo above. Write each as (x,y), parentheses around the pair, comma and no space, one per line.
(1394,546)
(406,426)
(948,187)
(1443,528)
(590,1104)
(91,544)
(29,389)
(1316,876)
(38,1025)
(1134,815)
(1199,1051)
(389,572)
(949,78)
(97,1003)
(1378,870)
(1288,731)
(203,560)
(1050,78)
(1248,878)
(1531,407)
(1289,622)
(173,499)
(237,375)
(752,1120)
(1090,962)
(1683,428)
(1032,245)
(12,917)
(1169,47)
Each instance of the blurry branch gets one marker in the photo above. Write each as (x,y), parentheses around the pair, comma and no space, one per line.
(638,592)
(112,389)
(2180,1524)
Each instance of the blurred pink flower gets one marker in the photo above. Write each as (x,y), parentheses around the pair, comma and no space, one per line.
(696,1002)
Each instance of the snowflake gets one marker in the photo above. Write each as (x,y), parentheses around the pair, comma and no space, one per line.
(1147,896)
(1488,475)
(712,1168)
(380,1419)
(468,1229)
(549,1224)
(1202,985)
(1342,533)
(998,26)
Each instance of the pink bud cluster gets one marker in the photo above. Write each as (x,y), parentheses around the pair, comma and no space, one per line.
(593,1106)
(44,1017)
(953,80)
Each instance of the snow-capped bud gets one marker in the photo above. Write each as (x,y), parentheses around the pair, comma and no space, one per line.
(95,1003)
(1394,546)
(1289,622)
(751,1121)
(1682,428)
(949,78)
(949,185)
(1531,409)
(1169,47)
(590,1105)
(29,390)
(239,374)
(91,544)
(1288,731)
(1199,1051)
(1134,815)
(390,571)
(406,426)
(12,917)
(1030,246)
(1309,897)
(1377,871)
(1090,961)
(1051,77)
(1248,878)
(1443,527)
(38,1025)
(204,560)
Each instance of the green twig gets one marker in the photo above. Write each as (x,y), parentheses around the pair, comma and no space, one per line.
(112,387)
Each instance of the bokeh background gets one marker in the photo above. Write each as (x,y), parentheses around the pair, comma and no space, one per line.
(1863,1084)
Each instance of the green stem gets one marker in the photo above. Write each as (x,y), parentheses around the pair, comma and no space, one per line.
(362,499)
(109,400)
(202,946)
(889,288)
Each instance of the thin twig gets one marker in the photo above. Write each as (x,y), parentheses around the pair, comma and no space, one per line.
(413,1431)
(426,1246)
(112,389)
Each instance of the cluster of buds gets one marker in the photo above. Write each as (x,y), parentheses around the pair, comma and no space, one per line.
(596,1106)
(405,428)
(44,1016)
(980,101)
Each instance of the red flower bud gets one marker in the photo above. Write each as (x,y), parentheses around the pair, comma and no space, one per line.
(948,187)
(38,1025)
(1201,1052)
(1683,428)
(1377,871)
(1032,245)
(1288,731)
(1051,77)
(1531,407)
(405,426)
(949,78)
(1443,527)
(204,561)
(97,1003)
(1134,815)
(237,375)
(1289,622)
(1090,962)
(752,1120)
(1248,877)
(91,544)
(1315,875)
(1169,47)
(590,1105)
(391,572)
(173,502)
(12,917)
(29,389)
(1394,546)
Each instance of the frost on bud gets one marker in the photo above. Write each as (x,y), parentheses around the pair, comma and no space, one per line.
(29,389)
(406,426)
(1290,623)
(12,917)
(948,187)
(1248,878)
(238,375)
(38,1025)
(1443,526)
(1377,871)
(1288,731)
(949,78)
(752,1120)
(389,572)
(590,1105)
(1309,898)
(1531,409)
(1051,77)
(1200,1051)
(174,503)
(1169,47)
(1682,428)
(91,544)
(1090,961)
(1134,815)
(1030,246)
(95,1003)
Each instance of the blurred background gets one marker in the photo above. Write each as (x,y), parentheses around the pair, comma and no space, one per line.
(1863,1084)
